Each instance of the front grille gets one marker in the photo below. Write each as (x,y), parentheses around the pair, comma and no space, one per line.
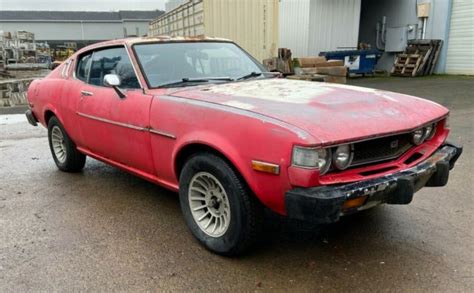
(381,149)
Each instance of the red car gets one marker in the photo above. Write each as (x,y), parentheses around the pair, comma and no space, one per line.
(202,117)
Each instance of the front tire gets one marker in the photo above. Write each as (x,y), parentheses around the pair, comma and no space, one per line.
(64,151)
(217,205)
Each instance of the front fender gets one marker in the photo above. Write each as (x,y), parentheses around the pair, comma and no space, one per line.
(240,136)
(268,188)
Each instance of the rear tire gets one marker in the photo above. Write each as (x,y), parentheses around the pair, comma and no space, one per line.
(217,205)
(64,151)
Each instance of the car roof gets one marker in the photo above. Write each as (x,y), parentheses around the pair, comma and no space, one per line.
(141,40)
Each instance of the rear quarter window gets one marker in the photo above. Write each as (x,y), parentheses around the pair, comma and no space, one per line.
(66,68)
(83,67)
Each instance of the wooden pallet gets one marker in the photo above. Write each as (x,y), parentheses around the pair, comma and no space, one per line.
(419,58)
(434,60)
(407,64)
(2,58)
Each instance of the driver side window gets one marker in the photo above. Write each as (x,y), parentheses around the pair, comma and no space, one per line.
(93,67)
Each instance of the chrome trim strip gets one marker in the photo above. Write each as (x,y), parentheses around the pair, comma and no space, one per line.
(126,125)
(113,122)
(157,132)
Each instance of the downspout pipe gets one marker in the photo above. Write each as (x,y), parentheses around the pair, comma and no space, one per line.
(381,34)
(423,28)
(384,24)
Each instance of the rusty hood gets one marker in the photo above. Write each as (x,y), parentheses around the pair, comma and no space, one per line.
(331,113)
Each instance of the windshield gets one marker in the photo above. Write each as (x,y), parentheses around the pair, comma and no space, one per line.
(169,63)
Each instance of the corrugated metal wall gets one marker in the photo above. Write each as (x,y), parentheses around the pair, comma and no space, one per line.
(250,23)
(253,24)
(333,25)
(308,27)
(294,26)
(460,58)
(185,20)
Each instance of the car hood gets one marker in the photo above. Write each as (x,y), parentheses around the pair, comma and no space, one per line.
(331,113)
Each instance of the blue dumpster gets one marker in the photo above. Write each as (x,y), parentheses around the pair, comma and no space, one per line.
(356,61)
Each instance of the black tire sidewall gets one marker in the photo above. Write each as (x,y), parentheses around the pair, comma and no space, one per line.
(68,163)
(233,187)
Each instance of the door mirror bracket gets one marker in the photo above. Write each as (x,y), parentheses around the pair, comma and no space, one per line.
(113,81)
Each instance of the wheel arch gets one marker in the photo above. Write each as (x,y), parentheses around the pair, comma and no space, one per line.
(49,111)
(235,162)
(48,114)
(190,149)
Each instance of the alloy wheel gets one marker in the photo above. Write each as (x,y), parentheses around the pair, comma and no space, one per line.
(209,204)
(58,143)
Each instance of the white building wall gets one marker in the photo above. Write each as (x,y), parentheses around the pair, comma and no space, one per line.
(308,27)
(333,25)
(460,57)
(76,31)
(294,26)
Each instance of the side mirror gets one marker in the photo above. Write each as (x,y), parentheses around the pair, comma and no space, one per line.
(113,81)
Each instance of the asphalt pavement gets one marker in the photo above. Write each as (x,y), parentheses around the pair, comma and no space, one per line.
(106,230)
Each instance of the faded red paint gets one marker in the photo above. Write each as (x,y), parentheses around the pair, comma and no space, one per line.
(244,121)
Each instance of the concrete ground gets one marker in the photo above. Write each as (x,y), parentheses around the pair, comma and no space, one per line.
(104,229)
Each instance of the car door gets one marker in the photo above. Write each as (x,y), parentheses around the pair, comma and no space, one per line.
(111,126)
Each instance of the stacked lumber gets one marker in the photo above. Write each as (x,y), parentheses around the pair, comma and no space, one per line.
(320,69)
(282,63)
(420,58)
(2,54)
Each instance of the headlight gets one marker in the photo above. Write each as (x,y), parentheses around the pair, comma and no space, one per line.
(305,157)
(312,158)
(324,160)
(418,136)
(342,157)
(430,131)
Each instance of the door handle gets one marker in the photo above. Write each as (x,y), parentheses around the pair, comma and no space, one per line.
(86,93)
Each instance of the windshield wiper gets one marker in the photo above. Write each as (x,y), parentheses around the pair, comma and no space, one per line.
(255,74)
(189,80)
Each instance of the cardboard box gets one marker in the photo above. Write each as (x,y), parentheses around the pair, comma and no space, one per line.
(307,77)
(332,70)
(310,61)
(330,63)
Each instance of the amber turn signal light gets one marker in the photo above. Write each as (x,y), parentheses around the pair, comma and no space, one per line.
(354,203)
(265,167)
